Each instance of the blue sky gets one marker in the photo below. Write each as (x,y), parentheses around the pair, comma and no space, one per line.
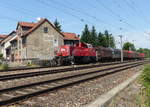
(132,16)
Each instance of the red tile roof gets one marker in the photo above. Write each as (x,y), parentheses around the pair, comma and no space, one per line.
(3,36)
(37,25)
(70,36)
(9,36)
(6,39)
(27,24)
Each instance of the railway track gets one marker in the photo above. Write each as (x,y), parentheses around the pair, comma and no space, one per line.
(44,67)
(37,69)
(17,93)
(46,72)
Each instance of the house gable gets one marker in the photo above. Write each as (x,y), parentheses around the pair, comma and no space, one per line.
(39,24)
(41,44)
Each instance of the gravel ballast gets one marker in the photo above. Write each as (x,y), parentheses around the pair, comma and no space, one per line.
(23,81)
(81,94)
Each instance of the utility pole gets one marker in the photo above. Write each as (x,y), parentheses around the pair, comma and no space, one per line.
(121,47)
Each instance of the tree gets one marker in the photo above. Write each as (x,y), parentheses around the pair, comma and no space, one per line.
(109,40)
(57,25)
(101,40)
(140,50)
(107,37)
(145,51)
(93,36)
(112,42)
(85,36)
(129,46)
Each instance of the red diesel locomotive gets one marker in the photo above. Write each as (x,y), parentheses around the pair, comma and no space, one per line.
(80,53)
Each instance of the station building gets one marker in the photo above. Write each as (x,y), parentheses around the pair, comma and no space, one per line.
(70,38)
(35,41)
(6,46)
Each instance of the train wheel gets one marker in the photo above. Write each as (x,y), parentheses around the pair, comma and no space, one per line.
(72,62)
(60,61)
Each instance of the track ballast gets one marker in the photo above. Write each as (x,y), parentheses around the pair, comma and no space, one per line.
(13,94)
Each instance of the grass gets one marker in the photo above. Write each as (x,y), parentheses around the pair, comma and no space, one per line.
(29,64)
(4,66)
(144,97)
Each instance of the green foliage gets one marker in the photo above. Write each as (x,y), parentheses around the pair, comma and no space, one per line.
(101,40)
(129,46)
(109,40)
(97,39)
(144,50)
(93,36)
(57,25)
(85,37)
(4,66)
(1,56)
(30,64)
(145,78)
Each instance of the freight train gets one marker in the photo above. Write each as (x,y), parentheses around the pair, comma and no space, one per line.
(86,53)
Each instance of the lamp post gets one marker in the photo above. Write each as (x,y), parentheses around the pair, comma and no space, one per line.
(121,47)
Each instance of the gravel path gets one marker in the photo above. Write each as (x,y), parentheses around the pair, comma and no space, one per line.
(81,94)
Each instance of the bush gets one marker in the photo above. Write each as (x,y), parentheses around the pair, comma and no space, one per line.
(45,62)
(146,76)
(30,64)
(4,66)
(1,56)
(145,79)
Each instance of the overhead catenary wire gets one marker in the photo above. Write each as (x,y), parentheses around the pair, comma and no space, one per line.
(78,10)
(7,17)
(137,11)
(140,11)
(25,11)
(121,7)
(115,14)
(84,20)
(16,9)
(118,16)
(139,14)
(64,11)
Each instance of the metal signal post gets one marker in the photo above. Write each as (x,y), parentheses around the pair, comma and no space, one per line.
(121,43)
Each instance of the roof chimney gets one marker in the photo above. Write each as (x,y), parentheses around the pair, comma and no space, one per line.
(39,19)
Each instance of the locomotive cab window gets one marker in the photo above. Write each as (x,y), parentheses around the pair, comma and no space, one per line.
(45,29)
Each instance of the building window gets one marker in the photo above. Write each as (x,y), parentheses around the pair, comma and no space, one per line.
(24,41)
(45,29)
(55,42)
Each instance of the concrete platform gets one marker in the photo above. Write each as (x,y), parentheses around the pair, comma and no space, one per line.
(104,100)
